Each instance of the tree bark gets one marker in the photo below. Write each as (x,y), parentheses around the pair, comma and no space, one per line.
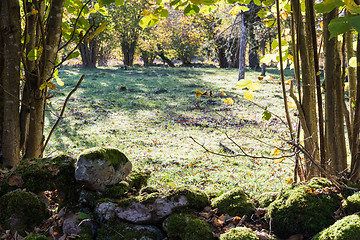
(349,39)
(10,29)
(242,49)
(89,52)
(263,65)
(334,97)
(47,63)
(128,49)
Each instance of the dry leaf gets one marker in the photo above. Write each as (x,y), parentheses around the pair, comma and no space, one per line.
(288,180)
(292,105)
(279,160)
(275,151)
(16,181)
(228,101)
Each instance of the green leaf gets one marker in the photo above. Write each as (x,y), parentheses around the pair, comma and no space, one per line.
(266,115)
(148,21)
(196,2)
(73,55)
(191,9)
(268,3)
(207,9)
(208,2)
(339,26)
(257,2)
(355,22)
(173,3)
(101,28)
(33,54)
(262,13)
(82,215)
(119,2)
(267,58)
(328,5)
(243,83)
(164,13)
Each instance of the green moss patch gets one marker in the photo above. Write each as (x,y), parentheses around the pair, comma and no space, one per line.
(112,155)
(347,228)
(197,198)
(352,204)
(265,199)
(235,203)
(36,237)
(117,191)
(21,211)
(304,209)
(239,233)
(138,180)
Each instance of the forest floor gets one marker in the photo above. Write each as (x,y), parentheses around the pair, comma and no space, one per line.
(152,115)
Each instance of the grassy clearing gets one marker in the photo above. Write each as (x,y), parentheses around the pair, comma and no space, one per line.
(151,113)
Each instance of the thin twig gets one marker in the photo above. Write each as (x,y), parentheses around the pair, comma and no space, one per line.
(62,113)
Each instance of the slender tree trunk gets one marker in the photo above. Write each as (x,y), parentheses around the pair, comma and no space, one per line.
(47,62)
(242,49)
(349,39)
(263,65)
(10,29)
(334,110)
(2,93)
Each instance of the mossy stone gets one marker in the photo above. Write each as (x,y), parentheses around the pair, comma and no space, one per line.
(115,230)
(235,203)
(112,155)
(36,237)
(138,180)
(117,191)
(187,227)
(265,199)
(297,210)
(352,204)
(197,198)
(239,233)
(346,228)
(148,190)
(21,211)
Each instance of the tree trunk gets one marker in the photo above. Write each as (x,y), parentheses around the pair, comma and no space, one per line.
(10,30)
(349,39)
(47,62)
(254,62)
(334,97)
(263,65)
(128,50)
(242,49)
(309,123)
(89,52)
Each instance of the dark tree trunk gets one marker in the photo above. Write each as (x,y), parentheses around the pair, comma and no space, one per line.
(10,30)
(128,50)
(263,65)
(148,57)
(89,52)
(220,50)
(254,62)
(2,93)
(242,49)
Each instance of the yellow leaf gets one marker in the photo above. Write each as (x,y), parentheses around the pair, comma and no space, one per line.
(292,105)
(318,73)
(288,180)
(280,160)
(284,15)
(198,93)
(145,13)
(346,86)
(288,82)
(248,95)
(59,81)
(222,93)
(275,151)
(34,11)
(228,101)
(254,86)
(51,85)
(92,10)
(235,10)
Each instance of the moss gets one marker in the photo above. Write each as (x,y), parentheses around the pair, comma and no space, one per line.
(127,202)
(113,155)
(84,236)
(148,190)
(187,227)
(235,203)
(115,230)
(138,180)
(346,228)
(352,204)
(318,182)
(265,199)
(117,191)
(197,198)
(36,237)
(50,174)
(213,193)
(298,210)
(239,233)
(197,229)
(21,211)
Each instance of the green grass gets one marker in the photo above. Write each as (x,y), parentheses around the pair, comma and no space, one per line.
(153,120)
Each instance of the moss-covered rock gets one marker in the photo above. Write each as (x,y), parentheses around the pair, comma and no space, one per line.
(115,230)
(36,237)
(197,198)
(235,203)
(97,168)
(352,204)
(265,199)
(38,175)
(117,191)
(138,180)
(21,211)
(346,228)
(304,209)
(239,233)
(187,227)
(148,190)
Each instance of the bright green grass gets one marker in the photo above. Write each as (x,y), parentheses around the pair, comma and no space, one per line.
(153,120)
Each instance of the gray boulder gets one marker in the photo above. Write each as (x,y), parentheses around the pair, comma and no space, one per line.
(97,168)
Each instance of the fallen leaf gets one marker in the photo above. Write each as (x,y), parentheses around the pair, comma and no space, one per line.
(248,95)
(275,151)
(279,160)
(288,180)
(16,181)
(229,101)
